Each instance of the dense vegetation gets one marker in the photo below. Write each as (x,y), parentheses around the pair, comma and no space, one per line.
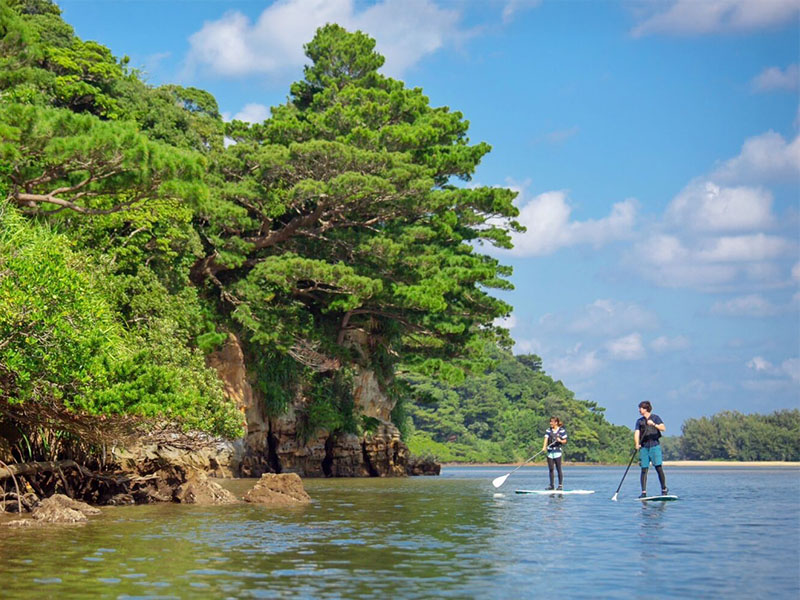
(133,238)
(732,435)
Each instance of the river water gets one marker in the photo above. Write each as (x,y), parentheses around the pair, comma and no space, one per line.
(735,533)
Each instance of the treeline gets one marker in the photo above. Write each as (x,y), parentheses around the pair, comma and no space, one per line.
(731,435)
(500,415)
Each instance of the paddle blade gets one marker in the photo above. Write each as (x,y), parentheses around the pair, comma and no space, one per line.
(614,497)
(498,481)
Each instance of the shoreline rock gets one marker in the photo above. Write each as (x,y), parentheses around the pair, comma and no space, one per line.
(278,490)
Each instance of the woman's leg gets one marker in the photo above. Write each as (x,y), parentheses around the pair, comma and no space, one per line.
(550,465)
(560,472)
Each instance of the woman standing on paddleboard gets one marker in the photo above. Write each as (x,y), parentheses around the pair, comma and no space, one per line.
(554,438)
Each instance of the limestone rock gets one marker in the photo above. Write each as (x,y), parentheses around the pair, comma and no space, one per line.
(219,458)
(199,490)
(423,466)
(278,490)
(229,363)
(385,454)
(62,509)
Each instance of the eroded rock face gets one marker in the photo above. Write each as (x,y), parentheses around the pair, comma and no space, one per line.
(278,490)
(198,489)
(385,455)
(273,445)
(218,458)
(229,362)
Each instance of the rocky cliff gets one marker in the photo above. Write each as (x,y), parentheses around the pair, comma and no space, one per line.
(273,445)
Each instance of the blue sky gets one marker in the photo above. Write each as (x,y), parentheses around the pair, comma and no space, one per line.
(654,146)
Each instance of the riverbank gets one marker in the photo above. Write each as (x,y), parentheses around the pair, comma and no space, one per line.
(667,463)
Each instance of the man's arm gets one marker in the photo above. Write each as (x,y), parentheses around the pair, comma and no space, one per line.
(658,425)
(636,438)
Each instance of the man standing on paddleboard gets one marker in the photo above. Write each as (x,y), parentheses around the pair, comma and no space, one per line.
(645,435)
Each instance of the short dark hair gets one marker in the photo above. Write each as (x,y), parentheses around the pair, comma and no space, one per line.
(646,405)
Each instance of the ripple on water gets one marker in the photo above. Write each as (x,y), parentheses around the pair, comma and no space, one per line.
(445,537)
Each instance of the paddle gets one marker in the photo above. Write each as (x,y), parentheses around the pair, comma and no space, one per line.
(630,462)
(498,481)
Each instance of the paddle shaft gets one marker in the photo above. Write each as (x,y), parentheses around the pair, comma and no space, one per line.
(531,458)
(630,462)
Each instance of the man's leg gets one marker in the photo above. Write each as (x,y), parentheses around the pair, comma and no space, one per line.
(657,460)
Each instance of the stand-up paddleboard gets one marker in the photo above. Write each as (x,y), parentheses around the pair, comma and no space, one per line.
(667,498)
(553,492)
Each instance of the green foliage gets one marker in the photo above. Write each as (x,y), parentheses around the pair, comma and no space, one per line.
(501,414)
(42,62)
(330,406)
(59,159)
(337,215)
(731,435)
(64,349)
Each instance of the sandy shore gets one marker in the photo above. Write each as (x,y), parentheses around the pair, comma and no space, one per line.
(667,463)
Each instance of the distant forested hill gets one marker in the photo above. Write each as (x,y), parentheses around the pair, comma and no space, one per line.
(501,414)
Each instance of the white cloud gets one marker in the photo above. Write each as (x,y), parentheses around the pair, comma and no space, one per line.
(760,364)
(405,32)
(252,113)
(715,234)
(712,263)
(744,248)
(508,322)
(576,363)
(696,17)
(773,78)
(670,344)
(547,219)
(629,347)
(764,158)
(788,368)
(796,272)
(752,305)
(705,206)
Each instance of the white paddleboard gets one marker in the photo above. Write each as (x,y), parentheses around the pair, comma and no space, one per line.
(667,498)
(553,492)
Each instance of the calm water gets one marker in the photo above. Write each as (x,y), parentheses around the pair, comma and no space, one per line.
(735,533)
